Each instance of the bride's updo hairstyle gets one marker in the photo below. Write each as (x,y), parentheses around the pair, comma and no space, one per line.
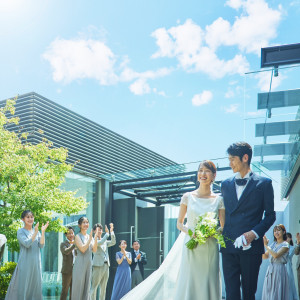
(209,165)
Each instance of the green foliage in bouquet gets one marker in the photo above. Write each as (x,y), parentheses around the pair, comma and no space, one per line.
(206,227)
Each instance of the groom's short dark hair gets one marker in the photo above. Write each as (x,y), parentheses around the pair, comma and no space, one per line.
(240,149)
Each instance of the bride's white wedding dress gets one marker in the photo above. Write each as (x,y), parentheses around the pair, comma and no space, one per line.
(186,274)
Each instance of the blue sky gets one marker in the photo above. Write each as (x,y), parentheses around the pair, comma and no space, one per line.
(169,75)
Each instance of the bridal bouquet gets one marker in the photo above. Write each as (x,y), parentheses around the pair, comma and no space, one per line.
(206,227)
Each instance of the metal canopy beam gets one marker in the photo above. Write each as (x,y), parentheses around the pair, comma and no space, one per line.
(278,99)
(162,188)
(277,128)
(130,194)
(155,182)
(166,192)
(275,149)
(156,177)
(276,165)
(170,201)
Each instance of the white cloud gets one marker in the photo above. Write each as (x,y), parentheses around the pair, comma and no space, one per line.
(140,87)
(185,42)
(84,57)
(229,94)
(203,98)
(196,49)
(79,58)
(232,108)
(182,40)
(160,93)
(251,31)
(236,4)
(128,74)
(264,79)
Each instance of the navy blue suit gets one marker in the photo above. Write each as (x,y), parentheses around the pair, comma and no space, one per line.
(253,211)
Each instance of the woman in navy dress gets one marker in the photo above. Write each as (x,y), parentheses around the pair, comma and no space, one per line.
(26,282)
(122,283)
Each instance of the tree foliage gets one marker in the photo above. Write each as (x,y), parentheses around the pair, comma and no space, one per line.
(30,178)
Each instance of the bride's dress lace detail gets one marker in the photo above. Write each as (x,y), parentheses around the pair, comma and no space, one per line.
(186,274)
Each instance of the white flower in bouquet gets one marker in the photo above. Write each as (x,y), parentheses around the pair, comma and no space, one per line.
(206,227)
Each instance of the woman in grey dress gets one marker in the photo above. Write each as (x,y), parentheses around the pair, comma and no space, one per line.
(82,269)
(289,268)
(276,284)
(26,282)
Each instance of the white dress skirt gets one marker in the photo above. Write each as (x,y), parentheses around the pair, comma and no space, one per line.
(186,274)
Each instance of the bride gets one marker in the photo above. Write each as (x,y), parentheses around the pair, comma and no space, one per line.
(189,274)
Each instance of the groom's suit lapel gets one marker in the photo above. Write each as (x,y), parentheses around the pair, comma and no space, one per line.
(233,197)
(248,189)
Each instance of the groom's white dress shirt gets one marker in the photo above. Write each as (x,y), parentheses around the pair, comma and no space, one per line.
(240,189)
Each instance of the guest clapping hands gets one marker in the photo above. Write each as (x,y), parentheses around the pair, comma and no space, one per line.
(122,282)
(276,285)
(82,268)
(26,282)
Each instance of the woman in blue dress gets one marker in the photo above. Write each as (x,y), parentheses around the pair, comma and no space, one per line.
(122,282)
(26,282)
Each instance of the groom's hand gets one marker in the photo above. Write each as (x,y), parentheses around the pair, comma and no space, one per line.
(249,236)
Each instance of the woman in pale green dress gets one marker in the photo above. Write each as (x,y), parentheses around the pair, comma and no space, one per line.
(26,282)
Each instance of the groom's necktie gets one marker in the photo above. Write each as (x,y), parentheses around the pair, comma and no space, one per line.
(242,181)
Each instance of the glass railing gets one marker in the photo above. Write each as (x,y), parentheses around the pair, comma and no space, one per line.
(274,129)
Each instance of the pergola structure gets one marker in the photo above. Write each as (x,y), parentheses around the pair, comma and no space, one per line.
(162,189)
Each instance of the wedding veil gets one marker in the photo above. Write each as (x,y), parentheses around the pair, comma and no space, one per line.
(161,284)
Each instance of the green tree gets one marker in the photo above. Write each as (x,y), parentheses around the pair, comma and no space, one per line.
(30,178)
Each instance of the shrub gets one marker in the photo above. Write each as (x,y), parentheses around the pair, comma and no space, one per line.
(6,272)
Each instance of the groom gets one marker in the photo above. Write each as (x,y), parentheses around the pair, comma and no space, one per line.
(249,213)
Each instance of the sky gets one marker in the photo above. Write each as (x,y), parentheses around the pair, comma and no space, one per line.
(172,76)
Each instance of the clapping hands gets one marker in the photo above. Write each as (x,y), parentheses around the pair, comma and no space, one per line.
(44,227)
(266,241)
(36,227)
(298,238)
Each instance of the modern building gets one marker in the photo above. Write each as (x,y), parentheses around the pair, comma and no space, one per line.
(99,154)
